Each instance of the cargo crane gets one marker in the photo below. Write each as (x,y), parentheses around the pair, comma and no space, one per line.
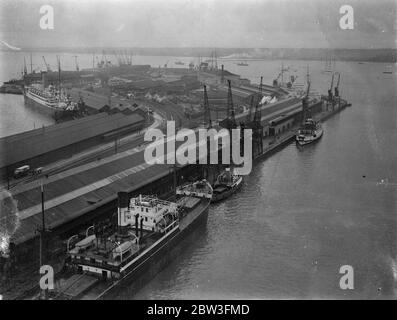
(336,99)
(46,64)
(230,116)
(77,65)
(121,59)
(31,63)
(208,125)
(337,86)
(255,124)
(330,97)
(129,58)
(261,87)
(104,62)
(257,131)
(99,63)
(216,60)
(230,122)
(25,70)
(249,117)
(104,58)
(207,111)
(305,102)
(124,57)
(260,93)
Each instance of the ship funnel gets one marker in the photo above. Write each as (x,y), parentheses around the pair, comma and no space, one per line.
(44,79)
(123,201)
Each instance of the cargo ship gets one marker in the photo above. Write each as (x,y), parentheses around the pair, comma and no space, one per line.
(48,100)
(147,233)
(226,184)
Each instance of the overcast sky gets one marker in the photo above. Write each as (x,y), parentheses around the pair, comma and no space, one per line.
(200,23)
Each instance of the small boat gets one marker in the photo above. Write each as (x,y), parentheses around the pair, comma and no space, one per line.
(242,64)
(179,63)
(309,132)
(226,184)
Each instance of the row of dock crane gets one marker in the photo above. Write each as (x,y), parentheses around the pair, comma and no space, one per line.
(252,121)
(331,98)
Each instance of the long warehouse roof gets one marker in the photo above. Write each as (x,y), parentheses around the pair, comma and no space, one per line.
(33,143)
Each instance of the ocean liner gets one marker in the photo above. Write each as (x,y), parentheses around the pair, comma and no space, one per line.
(47,100)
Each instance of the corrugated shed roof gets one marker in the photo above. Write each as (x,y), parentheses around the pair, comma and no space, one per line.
(80,190)
(78,206)
(30,144)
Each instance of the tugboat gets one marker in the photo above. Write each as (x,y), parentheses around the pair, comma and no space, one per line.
(145,238)
(310,129)
(226,184)
(309,132)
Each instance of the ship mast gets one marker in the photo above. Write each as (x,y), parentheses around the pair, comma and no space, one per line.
(59,74)
(25,71)
(305,99)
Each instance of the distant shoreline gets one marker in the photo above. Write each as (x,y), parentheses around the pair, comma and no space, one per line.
(365,55)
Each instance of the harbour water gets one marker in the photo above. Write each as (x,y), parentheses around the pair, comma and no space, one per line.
(302,213)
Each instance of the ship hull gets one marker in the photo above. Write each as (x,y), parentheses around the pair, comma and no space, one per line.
(217,197)
(39,106)
(11,89)
(305,140)
(153,261)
